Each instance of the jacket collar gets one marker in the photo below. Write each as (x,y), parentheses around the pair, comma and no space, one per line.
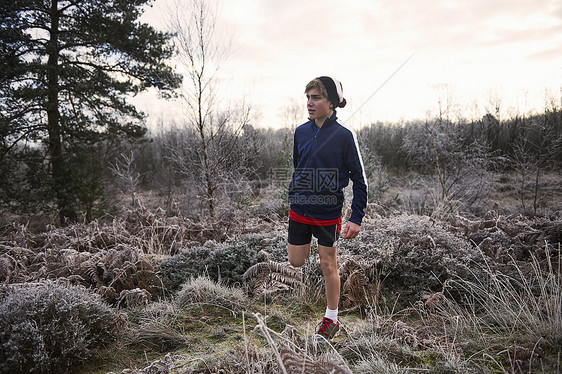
(328,122)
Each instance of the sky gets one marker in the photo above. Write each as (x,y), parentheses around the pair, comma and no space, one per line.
(397,60)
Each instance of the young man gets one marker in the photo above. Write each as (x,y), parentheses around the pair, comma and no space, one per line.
(325,157)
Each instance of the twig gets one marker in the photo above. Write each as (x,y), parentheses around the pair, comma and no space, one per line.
(272,344)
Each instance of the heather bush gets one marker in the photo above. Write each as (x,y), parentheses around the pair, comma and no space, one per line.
(221,261)
(413,254)
(48,327)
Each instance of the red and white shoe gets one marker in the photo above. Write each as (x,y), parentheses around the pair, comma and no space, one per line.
(327,329)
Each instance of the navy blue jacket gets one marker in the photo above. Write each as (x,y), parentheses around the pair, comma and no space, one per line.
(325,159)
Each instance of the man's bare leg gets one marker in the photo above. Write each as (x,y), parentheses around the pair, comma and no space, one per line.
(298,254)
(329,266)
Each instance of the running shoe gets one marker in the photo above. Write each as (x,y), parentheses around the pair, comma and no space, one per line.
(327,328)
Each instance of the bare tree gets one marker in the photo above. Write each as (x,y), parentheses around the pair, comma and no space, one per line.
(460,169)
(292,113)
(127,176)
(533,153)
(447,104)
(494,105)
(440,172)
(217,129)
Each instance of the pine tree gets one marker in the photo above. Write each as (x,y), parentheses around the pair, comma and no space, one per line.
(67,69)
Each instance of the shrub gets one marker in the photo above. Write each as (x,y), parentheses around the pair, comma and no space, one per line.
(48,327)
(204,290)
(413,254)
(225,262)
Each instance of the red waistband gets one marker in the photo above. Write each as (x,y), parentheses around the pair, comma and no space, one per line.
(313,221)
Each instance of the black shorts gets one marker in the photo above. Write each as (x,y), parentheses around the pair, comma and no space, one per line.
(301,234)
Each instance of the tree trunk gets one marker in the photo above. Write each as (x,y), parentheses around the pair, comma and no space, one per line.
(206,167)
(537,188)
(201,128)
(60,185)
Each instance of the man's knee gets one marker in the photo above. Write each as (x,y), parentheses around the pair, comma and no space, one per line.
(297,262)
(298,254)
(328,265)
(328,260)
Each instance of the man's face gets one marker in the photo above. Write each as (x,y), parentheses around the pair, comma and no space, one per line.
(319,107)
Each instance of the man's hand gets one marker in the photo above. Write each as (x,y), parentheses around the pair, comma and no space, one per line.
(351,230)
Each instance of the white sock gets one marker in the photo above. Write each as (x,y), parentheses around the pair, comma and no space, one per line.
(332,314)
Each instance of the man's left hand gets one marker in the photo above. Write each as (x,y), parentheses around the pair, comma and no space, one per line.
(351,230)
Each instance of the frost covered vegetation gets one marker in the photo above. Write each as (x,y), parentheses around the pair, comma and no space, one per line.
(457,268)
(126,250)
(174,257)
(150,293)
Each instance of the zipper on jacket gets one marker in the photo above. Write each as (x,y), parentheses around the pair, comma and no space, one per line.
(315,137)
(316,130)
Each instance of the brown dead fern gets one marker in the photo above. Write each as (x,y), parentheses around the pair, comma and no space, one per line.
(7,265)
(434,301)
(134,297)
(110,271)
(356,289)
(298,362)
(271,278)
(295,360)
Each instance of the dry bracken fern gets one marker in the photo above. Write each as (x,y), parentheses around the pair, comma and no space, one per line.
(134,297)
(111,271)
(298,363)
(272,277)
(294,360)
(355,285)
(434,301)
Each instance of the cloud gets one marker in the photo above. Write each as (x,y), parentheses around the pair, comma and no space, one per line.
(472,45)
(548,54)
